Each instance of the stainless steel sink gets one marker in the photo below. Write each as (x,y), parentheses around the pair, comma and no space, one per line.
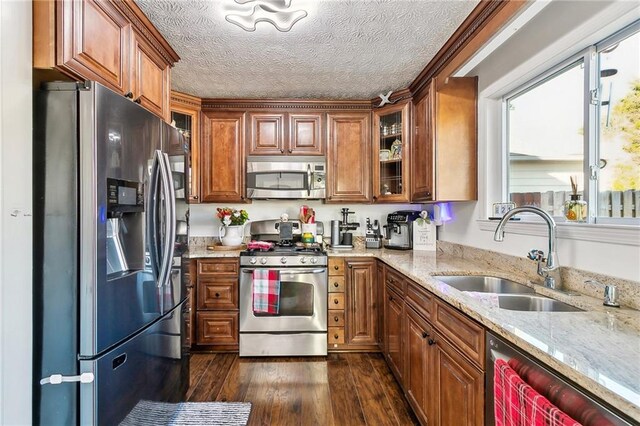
(484,284)
(534,304)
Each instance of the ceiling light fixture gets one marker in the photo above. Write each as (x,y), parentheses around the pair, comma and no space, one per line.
(275,12)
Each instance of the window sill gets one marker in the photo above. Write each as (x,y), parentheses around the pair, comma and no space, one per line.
(603,233)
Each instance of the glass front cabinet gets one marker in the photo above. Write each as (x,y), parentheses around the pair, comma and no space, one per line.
(390,153)
(185,116)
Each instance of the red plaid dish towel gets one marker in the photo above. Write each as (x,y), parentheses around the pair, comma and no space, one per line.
(518,404)
(266,291)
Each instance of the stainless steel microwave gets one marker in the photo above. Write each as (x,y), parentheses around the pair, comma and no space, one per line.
(274,177)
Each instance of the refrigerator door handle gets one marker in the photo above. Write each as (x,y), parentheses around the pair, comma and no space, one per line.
(152,216)
(56,379)
(170,223)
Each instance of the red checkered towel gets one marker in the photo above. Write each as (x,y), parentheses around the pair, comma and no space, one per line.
(518,404)
(266,291)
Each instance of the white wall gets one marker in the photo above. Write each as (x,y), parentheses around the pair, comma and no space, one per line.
(562,28)
(15,211)
(203,223)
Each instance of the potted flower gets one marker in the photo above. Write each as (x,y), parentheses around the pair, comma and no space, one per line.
(232,230)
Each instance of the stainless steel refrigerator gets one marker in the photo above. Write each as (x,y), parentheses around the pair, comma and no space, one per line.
(108,329)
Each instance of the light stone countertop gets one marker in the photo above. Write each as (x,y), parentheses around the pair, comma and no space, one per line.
(599,349)
(198,252)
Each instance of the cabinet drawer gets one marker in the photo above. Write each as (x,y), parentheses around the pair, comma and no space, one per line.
(336,266)
(217,328)
(218,267)
(336,284)
(218,294)
(336,301)
(463,332)
(336,318)
(396,281)
(335,335)
(420,299)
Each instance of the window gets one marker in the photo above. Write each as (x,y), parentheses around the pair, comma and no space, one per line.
(579,121)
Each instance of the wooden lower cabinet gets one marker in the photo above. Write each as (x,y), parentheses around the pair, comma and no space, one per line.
(434,355)
(217,328)
(216,303)
(458,387)
(418,366)
(393,314)
(353,305)
(361,303)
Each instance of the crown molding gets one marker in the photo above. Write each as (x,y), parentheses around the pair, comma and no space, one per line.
(290,104)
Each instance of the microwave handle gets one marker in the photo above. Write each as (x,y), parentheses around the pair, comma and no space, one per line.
(309,179)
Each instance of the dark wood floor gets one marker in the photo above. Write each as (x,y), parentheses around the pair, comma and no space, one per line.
(341,389)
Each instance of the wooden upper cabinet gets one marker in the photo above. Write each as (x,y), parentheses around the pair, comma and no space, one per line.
(422,170)
(271,133)
(444,156)
(362,303)
(348,157)
(185,111)
(150,76)
(305,134)
(83,38)
(266,134)
(109,41)
(222,157)
(456,137)
(391,156)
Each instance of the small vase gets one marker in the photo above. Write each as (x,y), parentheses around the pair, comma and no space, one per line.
(231,235)
(575,209)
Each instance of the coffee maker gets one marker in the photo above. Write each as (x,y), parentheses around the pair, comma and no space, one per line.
(399,229)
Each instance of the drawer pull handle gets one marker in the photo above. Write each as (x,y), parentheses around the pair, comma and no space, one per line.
(425,334)
(336,336)
(390,297)
(336,267)
(336,301)
(431,342)
(336,319)
(336,285)
(217,294)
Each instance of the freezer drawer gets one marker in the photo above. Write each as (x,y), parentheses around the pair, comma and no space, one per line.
(153,366)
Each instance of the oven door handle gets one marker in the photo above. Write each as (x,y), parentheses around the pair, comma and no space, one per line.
(290,271)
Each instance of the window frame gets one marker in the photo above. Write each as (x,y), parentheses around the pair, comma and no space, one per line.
(591,122)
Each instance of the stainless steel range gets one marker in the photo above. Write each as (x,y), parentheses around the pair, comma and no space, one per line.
(300,326)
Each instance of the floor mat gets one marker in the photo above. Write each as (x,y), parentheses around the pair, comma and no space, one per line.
(149,413)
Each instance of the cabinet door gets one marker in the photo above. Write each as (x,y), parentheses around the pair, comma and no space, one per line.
(348,157)
(393,308)
(391,156)
(418,363)
(188,120)
(422,170)
(456,156)
(458,387)
(305,136)
(361,300)
(380,277)
(93,42)
(266,134)
(151,78)
(222,157)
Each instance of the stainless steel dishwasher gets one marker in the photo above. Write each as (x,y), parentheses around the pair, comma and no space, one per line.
(497,347)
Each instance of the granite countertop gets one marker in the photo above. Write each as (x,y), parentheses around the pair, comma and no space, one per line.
(196,252)
(599,348)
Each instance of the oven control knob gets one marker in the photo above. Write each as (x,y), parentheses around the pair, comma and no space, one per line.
(303,260)
(263,260)
(283,259)
(314,260)
(253,261)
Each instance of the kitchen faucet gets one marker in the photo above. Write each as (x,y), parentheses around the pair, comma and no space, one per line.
(551,271)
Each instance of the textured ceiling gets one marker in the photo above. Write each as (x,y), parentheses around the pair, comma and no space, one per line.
(343,49)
